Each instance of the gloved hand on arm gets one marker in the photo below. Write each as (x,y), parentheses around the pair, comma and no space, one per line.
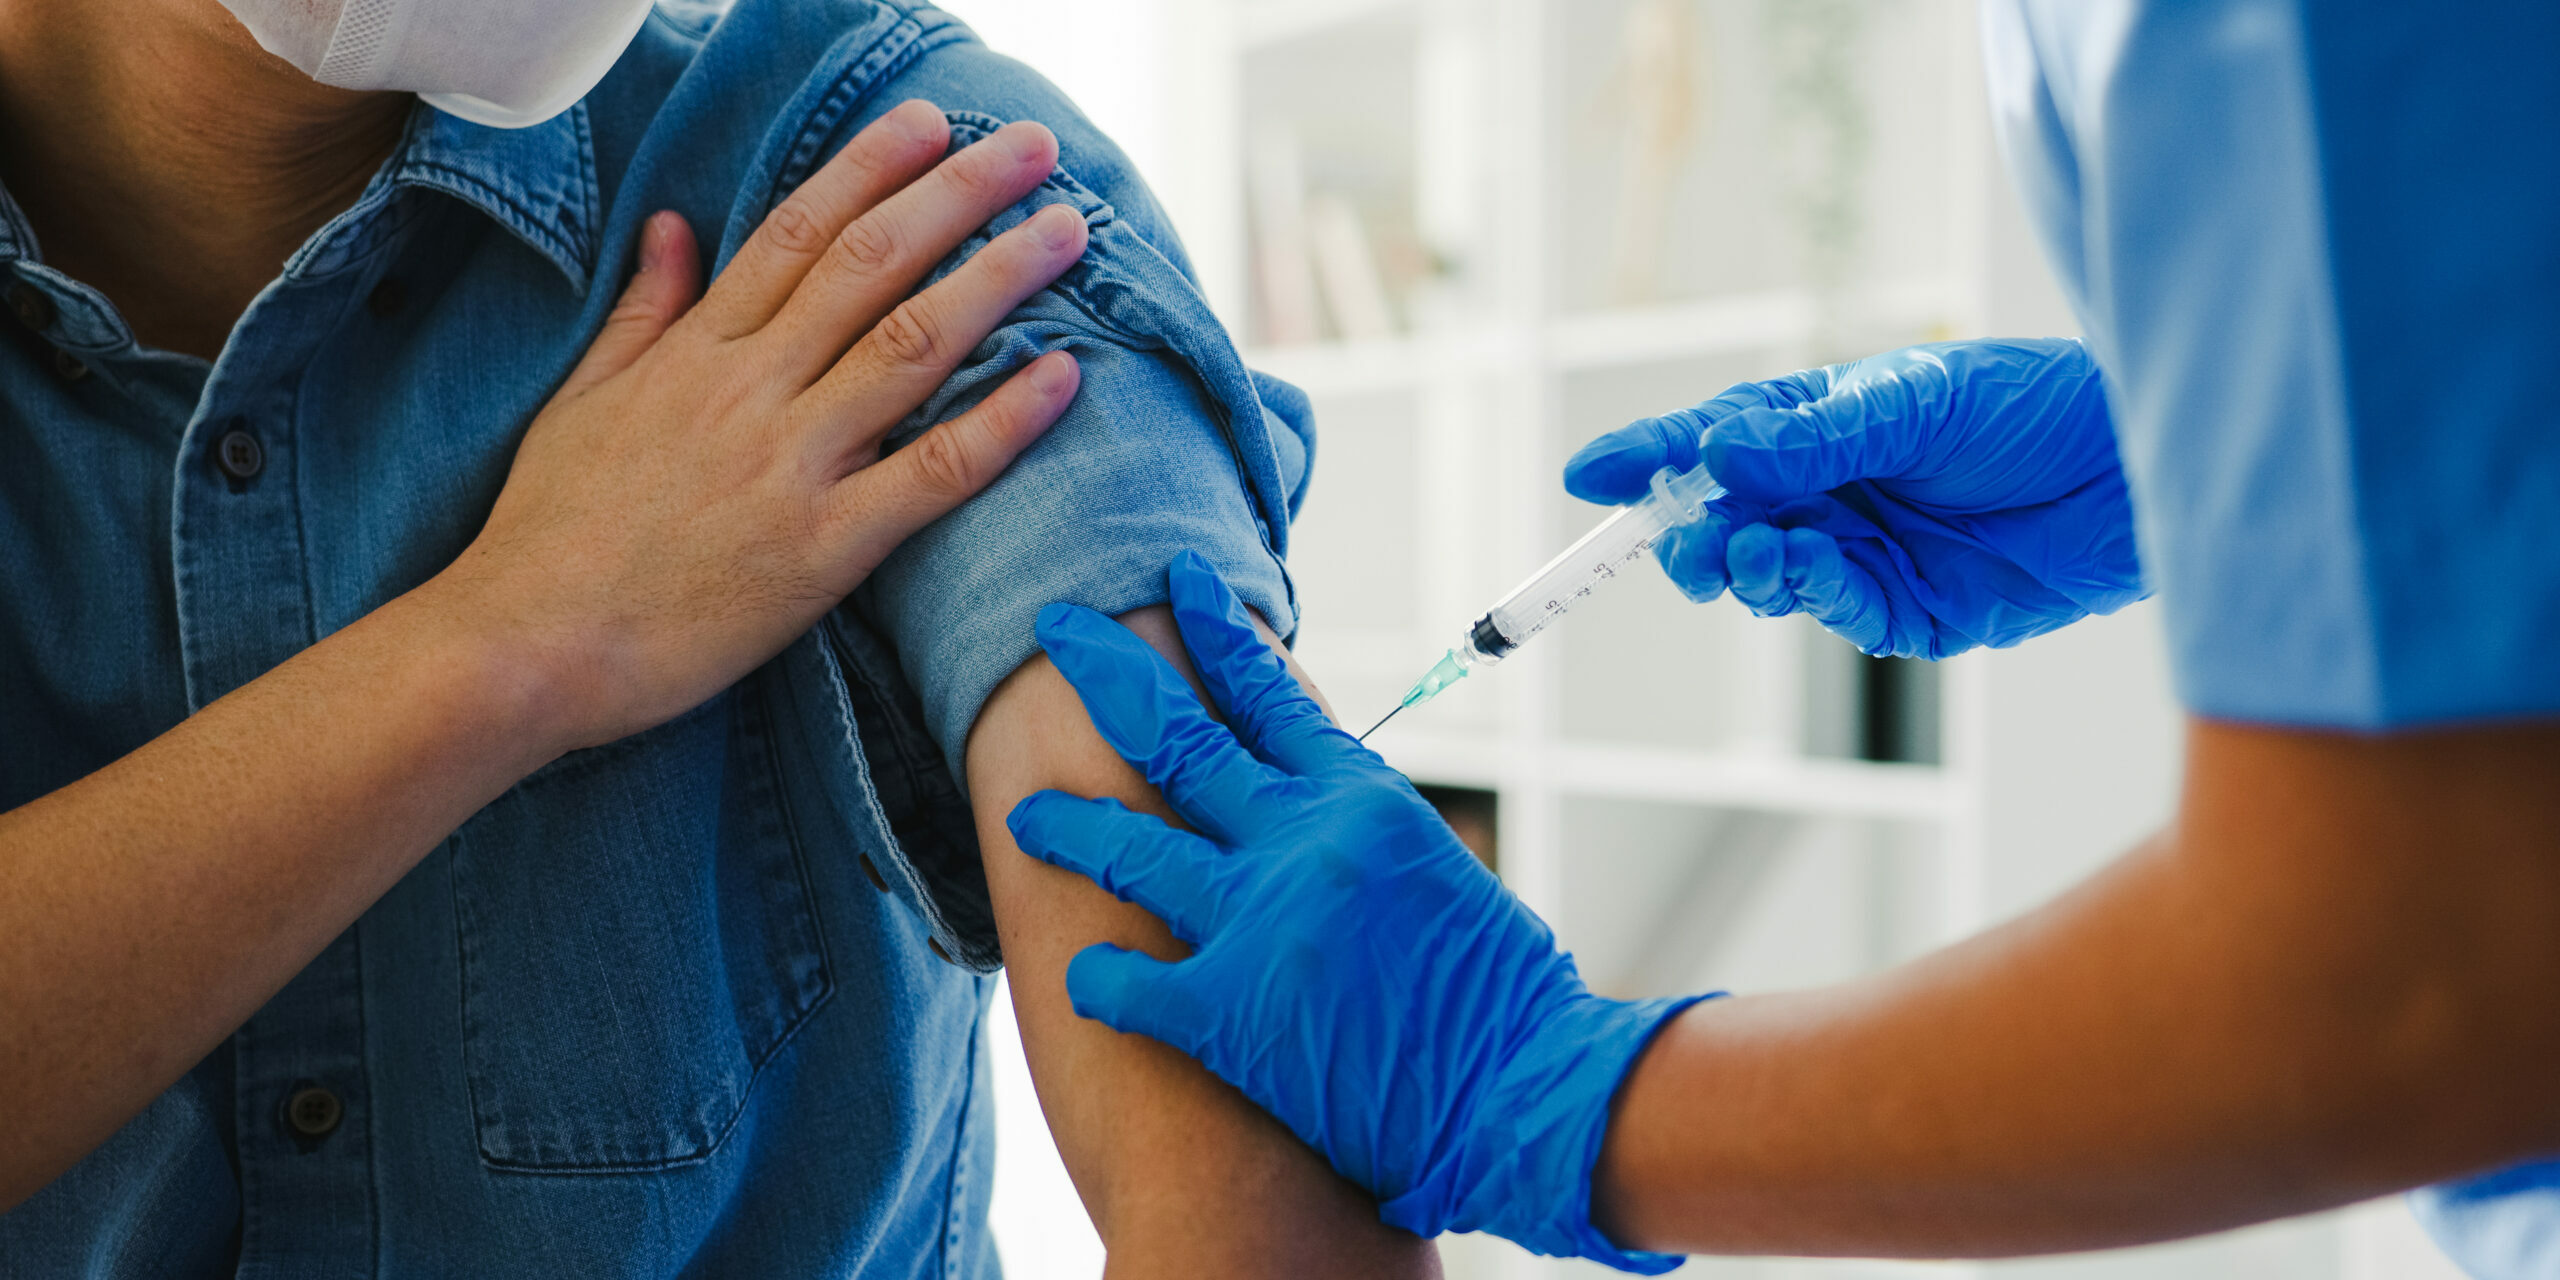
(1355,970)
(1918,503)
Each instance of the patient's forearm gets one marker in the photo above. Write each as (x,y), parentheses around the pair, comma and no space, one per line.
(148,909)
(1182,1175)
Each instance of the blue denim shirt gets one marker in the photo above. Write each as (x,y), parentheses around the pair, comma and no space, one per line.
(707,999)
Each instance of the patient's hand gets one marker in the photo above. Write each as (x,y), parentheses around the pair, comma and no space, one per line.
(709,481)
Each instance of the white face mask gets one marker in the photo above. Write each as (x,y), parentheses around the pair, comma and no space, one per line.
(504,63)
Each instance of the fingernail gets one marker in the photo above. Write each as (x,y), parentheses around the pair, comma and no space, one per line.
(1053,374)
(918,116)
(654,237)
(1056,226)
(1025,142)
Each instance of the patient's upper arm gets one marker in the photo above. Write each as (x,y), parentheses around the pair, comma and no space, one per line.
(1171,445)
(1182,1175)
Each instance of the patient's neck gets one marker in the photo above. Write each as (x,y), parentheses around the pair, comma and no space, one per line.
(165,158)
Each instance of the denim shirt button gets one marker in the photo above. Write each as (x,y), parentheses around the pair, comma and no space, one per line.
(934,945)
(239,455)
(313,1112)
(68,367)
(871,872)
(30,306)
(386,299)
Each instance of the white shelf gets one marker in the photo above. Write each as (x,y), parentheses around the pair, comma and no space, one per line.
(1758,781)
(1396,364)
(1714,326)
(1267,22)
(1770,783)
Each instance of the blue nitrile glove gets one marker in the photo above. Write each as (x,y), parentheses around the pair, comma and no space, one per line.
(1918,503)
(1355,970)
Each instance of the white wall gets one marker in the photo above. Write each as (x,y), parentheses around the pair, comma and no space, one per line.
(1041,1229)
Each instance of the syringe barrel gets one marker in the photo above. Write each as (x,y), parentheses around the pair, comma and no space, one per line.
(1600,555)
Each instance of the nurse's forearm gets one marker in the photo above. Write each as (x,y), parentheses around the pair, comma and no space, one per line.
(152,907)
(2334,978)
(1182,1175)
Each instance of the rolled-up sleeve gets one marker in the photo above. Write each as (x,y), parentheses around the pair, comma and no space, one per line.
(1171,444)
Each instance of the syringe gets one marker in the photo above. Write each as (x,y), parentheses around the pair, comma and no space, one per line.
(1529,607)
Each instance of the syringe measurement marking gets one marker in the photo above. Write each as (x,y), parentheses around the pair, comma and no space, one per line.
(1554,609)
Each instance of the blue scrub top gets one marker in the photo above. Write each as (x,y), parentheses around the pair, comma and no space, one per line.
(2317,248)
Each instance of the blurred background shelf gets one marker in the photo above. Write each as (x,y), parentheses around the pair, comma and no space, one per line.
(1267,22)
(1479,233)
(1770,782)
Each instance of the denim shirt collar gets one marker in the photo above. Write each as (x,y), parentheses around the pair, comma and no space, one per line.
(538,182)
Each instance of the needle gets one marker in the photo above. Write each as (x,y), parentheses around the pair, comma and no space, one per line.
(1382,721)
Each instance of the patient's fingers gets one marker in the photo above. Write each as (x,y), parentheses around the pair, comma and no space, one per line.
(878,257)
(908,355)
(667,282)
(892,152)
(883,504)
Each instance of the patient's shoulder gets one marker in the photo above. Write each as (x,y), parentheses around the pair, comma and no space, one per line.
(744,99)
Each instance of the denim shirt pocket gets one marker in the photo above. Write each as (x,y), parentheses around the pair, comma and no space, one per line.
(638,937)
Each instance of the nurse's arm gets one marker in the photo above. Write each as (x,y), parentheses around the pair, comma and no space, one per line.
(2336,975)
(1183,1177)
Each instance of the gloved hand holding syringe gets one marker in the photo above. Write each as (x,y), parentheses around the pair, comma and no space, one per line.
(1934,499)
(1677,499)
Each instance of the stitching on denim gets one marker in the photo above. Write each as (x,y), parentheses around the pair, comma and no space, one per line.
(909,770)
(329,252)
(79,300)
(952,1205)
(1099,217)
(789,817)
(590,196)
(390,218)
(917,895)
(918,775)
(463,185)
(690,35)
(890,53)
(464,976)
(372,1105)
(17,236)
